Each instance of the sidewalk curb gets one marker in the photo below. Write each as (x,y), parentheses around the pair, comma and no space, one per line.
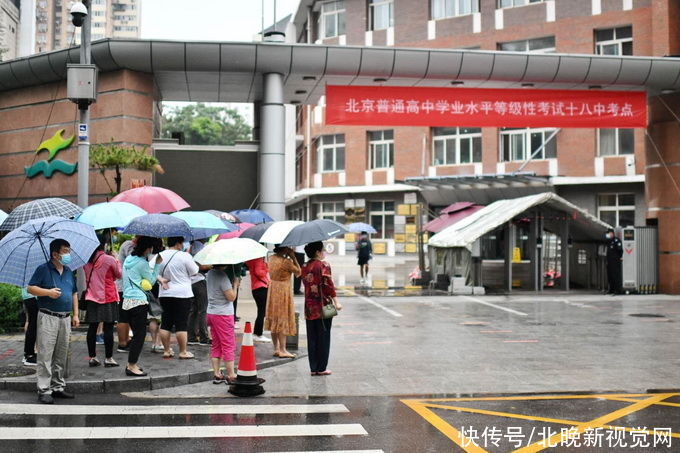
(128,384)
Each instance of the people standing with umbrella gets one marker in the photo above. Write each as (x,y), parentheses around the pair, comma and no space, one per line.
(138,278)
(176,296)
(280,319)
(101,273)
(222,292)
(319,287)
(54,285)
(42,254)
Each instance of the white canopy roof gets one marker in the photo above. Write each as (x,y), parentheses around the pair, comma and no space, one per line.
(471,228)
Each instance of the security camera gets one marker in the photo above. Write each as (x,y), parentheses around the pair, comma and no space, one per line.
(78,14)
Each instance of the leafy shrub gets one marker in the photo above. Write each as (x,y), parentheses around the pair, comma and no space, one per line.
(10,308)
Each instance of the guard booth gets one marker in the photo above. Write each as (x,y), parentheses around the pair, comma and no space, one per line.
(534,243)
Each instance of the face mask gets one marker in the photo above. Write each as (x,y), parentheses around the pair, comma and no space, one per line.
(65,259)
(185,246)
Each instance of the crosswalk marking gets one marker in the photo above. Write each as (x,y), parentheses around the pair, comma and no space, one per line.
(180,432)
(42,409)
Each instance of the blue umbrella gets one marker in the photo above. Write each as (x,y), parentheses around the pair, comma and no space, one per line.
(358,227)
(27,247)
(159,226)
(254,216)
(114,214)
(203,224)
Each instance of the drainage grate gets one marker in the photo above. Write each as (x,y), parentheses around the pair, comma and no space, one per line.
(646,315)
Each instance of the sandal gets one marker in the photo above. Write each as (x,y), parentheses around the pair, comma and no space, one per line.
(230,381)
(324,373)
(94,362)
(169,355)
(219,379)
(188,356)
(108,363)
(287,356)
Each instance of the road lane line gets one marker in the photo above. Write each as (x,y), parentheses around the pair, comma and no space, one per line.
(43,409)
(489,304)
(180,432)
(380,306)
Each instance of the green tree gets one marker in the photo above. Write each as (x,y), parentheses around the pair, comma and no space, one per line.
(118,158)
(206,125)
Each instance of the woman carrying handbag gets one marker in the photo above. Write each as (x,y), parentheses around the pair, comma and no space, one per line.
(320,308)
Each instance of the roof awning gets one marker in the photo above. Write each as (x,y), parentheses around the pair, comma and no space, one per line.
(232,71)
(302,194)
(480,189)
(465,232)
(446,219)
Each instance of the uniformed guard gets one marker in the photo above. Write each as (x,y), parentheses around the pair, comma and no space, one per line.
(614,258)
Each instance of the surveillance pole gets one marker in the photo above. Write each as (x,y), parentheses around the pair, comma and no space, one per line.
(83,106)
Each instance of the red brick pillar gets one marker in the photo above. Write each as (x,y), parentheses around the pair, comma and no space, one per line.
(661,192)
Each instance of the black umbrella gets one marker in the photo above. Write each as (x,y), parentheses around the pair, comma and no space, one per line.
(316,230)
(256,232)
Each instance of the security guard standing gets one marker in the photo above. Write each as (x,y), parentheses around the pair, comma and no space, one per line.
(614,257)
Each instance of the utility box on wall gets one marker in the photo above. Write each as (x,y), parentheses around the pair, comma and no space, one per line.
(640,267)
(81,82)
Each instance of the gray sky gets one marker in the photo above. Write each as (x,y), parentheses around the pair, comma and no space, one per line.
(210,20)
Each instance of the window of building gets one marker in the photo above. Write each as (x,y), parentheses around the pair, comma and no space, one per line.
(614,41)
(331,210)
(381,149)
(451,8)
(521,144)
(332,152)
(382,218)
(616,209)
(332,19)
(513,3)
(615,142)
(380,14)
(536,45)
(456,145)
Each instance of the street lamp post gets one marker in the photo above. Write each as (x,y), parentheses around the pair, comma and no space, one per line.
(83,107)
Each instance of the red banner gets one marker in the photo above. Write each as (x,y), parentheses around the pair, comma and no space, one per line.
(479,107)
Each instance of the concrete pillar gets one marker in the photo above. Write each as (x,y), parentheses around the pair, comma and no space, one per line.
(509,249)
(564,259)
(256,121)
(272,147)
(662,181)
(536,252)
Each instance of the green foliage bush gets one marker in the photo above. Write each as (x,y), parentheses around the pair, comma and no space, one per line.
(10,308)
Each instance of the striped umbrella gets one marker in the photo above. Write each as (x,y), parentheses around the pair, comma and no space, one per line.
(38,209)
(27,247)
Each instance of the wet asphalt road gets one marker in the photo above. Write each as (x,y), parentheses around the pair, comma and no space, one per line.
(412,375)
(498,423)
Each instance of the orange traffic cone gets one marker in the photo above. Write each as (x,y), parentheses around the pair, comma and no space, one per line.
(247,383)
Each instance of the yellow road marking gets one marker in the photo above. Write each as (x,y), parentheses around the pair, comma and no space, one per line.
(595,423)
(422,408)
(541,397)
(503,414)
(446,429)
(646,431)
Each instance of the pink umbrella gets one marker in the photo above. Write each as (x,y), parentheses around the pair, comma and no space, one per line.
(234,234)
(153,200)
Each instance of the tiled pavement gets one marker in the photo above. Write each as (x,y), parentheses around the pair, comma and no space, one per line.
(162,372)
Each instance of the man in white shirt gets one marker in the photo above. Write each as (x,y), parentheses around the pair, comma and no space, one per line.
(176,296)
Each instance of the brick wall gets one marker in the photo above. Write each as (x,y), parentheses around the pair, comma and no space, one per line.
(123,113)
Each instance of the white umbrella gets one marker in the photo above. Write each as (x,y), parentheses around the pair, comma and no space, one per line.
(278,231)
(3,215)
(230,251)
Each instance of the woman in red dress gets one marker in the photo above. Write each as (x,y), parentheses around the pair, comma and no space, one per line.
(316,275)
